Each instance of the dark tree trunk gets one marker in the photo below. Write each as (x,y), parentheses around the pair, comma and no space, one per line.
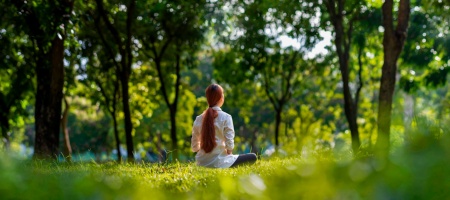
(49,73)
(173,106)
(4,126)
(111,106)
(173,134)
(277,126)
(393,42)
(278,102)
(126,111)
(113,115)
(50,82)
(342,43)
(124,70)
(116,136)
(349,104)
(125,78)
(67,146)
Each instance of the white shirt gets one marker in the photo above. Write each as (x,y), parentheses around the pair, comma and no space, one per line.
(218,157)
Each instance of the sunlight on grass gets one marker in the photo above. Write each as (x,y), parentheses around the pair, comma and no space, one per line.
(267,179)
(417,170)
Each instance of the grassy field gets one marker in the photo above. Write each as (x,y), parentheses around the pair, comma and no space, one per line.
(419,169)
(424,174)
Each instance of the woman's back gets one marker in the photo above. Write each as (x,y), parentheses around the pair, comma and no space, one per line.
(224,137)
(213,134)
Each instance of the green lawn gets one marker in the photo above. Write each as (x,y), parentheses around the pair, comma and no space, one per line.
(418,171)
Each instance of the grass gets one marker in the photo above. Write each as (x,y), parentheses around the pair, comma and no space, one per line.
(417,170)
(422,176)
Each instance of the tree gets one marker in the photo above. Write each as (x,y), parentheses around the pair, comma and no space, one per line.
(110,96)
(423,59)
(393,41)
(67,147)
(45,24)
(110,103)
(171,34)
(10,98)
(15,72)
(340,12)
(257,53)
(101,70)
(124,50)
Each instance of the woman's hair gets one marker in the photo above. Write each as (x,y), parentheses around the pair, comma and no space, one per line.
(208,134)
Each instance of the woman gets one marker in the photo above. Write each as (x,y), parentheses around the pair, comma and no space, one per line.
(213,135)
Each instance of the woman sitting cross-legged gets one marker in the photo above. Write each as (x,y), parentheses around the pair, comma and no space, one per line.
(213,135)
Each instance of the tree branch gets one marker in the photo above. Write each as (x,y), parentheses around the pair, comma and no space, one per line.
(287,94)
(341,5)
(108,48)
(2,101)
(348,42)
(177,82)
(110,27)
(130,12)
(105,96)
(331,7)
(267,89)
(361,83)
(388,22)
(163,85)
(403,18)
(152,48)
(164,47)
(114,100)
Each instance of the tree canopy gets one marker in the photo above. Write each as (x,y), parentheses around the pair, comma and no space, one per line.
(125,78)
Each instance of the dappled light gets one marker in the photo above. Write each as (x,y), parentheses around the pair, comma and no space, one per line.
(318,99)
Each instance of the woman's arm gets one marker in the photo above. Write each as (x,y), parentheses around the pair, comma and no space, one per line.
(195,140)
(229,134)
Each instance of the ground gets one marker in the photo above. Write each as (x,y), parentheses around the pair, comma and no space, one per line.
(422,175)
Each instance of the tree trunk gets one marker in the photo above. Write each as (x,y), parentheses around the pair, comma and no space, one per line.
(124,70)
(126,75)
(113,115)
(67,147)
(116,136)
(387,85)
(50,82)
(277,126)
(393,42)
(349,104)
(343,43)
(4,120)
(126,111)
(174,104)
(173,134)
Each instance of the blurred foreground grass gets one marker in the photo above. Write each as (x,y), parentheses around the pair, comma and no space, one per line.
(420,169)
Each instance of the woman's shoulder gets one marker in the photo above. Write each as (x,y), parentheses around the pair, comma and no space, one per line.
(199,117)
(224,115)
